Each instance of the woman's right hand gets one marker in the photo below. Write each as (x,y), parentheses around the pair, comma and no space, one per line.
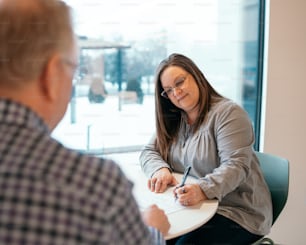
(161,179)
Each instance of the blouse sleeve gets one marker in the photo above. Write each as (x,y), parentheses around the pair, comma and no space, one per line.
(234,138)
(150,159)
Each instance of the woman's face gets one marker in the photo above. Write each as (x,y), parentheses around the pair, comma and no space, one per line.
(181,89)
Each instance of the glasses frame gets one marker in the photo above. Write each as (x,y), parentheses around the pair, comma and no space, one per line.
(73,65)
(179,83)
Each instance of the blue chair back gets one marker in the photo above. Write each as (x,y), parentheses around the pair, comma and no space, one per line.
(276,174)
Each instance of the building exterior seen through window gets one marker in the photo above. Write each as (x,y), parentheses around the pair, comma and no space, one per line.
(122,42)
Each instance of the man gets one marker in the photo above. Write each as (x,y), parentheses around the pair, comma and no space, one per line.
(50,194)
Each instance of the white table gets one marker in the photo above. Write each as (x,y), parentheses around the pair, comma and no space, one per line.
(182,219)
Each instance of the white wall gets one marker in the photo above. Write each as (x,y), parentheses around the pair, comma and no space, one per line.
(285,124)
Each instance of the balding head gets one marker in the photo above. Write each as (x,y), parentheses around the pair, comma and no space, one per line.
(37,55)
(31,32)
(29,4)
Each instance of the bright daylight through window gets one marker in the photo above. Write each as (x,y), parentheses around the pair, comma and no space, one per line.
(121,43)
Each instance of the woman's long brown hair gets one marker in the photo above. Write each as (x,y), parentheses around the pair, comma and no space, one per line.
(167,116)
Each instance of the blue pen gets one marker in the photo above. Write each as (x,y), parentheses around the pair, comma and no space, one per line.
(186,172)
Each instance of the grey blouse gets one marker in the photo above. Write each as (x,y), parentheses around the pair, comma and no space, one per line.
(222,158)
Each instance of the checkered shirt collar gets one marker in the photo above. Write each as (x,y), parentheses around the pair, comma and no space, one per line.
(14,113)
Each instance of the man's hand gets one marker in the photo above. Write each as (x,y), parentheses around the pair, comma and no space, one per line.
(156,217)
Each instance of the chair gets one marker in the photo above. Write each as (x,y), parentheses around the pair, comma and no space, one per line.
(276,173)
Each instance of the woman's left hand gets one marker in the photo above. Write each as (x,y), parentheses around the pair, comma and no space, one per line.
(189,194)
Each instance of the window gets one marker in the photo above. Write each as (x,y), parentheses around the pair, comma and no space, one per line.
(122,42)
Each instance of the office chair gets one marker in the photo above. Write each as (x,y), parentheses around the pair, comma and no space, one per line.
(276,174)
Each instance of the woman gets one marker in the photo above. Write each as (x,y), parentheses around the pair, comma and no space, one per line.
(197,126)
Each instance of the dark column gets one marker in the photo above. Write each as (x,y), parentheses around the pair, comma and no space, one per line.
(119,69)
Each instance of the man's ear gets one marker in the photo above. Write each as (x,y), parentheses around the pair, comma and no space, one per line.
(51,77)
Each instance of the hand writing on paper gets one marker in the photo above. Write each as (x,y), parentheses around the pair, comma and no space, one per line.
(189,194)
(161,179)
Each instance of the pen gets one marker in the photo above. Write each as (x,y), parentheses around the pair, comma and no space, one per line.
(186,172)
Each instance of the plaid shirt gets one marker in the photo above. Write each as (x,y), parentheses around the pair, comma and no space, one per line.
(52,195)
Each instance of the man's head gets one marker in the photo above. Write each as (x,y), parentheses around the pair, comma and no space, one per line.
(37,53)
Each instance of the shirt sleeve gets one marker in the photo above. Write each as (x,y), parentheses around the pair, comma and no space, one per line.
(150,160)
(234,138)
(125,213)
(157,237)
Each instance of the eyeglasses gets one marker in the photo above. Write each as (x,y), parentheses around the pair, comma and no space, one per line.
(178,85)
(70,63)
